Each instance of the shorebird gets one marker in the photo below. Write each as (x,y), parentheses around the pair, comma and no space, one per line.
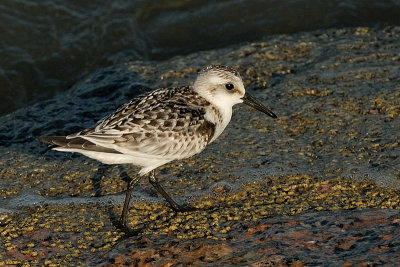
(161,126)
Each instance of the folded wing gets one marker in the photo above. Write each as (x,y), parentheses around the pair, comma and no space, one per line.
(164,124)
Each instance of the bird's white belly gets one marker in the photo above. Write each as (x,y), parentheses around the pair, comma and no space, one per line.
(147,163)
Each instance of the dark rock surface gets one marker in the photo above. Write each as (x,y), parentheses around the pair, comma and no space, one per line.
(318,186)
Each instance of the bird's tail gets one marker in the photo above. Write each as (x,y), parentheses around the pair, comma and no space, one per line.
(54,140)
(74,143)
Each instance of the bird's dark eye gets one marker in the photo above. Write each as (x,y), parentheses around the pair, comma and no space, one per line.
(229,86)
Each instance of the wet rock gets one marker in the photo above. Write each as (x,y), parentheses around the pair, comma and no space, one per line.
(293,191)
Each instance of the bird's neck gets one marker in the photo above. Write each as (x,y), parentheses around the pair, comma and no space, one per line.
(220,117)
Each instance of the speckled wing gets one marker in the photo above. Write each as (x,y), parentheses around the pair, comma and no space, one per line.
(167,123)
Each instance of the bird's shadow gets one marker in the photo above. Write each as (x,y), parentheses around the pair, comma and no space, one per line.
(96,178)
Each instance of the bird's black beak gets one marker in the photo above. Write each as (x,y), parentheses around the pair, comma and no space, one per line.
(252,102)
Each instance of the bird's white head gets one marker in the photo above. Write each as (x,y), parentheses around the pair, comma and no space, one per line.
(223,87)
(220,85)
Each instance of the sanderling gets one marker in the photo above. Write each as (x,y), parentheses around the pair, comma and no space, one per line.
(163,125)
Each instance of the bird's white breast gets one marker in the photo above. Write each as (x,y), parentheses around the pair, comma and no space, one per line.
(220,117)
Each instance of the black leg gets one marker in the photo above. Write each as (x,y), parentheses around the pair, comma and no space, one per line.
(154,182)
(124,214)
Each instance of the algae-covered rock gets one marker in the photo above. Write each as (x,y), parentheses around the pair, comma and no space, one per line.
(334,149)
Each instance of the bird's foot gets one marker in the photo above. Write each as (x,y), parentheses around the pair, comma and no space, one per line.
(122,225)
